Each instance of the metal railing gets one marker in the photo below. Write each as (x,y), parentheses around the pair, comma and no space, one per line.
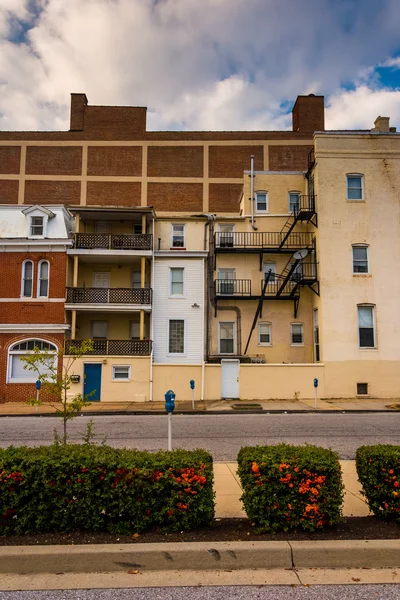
(272,288)
(233,287)
(80,295)
(263,240)
(305,204)
(112,347)
(113,241)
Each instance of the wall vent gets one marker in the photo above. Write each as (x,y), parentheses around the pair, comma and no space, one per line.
(362,389)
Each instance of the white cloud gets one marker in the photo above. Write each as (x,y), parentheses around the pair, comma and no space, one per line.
(209,64)
(358,109)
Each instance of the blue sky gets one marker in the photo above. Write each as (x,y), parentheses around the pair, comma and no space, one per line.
(209,64)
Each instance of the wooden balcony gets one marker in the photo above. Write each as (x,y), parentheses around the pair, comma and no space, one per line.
(113,347)
(78,295)
(113,241)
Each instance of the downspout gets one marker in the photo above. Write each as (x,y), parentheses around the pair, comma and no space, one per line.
(202,343)
(209,224)
(252,191)
(151,319)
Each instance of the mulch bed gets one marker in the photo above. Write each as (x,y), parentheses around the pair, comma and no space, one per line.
(223,530)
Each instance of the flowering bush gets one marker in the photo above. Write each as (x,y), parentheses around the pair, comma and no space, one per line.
(288,487)
(97,488)
(378,469)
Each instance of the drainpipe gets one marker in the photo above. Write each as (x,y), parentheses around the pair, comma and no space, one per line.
(209,278)
(151,319)
(252,190)
(202,343)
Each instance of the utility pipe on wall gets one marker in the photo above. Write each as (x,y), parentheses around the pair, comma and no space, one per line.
(151,319)
(252,190)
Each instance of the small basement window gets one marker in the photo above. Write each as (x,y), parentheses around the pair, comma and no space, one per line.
(121,372)
(362,389)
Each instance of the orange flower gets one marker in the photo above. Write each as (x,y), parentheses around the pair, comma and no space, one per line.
(396,484)
(386,505)
(391,472)
(314,492)
(395,494)
(254,467)
(290,507)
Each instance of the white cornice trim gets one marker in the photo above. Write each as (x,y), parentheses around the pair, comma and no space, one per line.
(106,252)
(180,254)
(39,300)
(109,307)
(11,327)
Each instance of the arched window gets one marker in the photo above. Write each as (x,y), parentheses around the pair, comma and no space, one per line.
(43,279)
(19,350)
(27,279)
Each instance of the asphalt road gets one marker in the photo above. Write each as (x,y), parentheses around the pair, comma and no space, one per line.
(222,435)
(320,592)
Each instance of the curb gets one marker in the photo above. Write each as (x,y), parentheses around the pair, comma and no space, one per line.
(199,556)
(205,412)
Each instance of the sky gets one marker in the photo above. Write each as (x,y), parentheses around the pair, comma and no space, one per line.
(200,64)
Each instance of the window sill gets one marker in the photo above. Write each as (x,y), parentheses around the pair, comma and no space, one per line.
(262,212)
(355,201)
(367,348)
(362,274)
(177,248)
(297,345)
(121,380)
(265,345)
(176,297)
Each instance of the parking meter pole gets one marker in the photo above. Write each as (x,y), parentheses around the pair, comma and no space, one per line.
(169,432)
(315,393)
(192,386)
(38,386)
(192,399)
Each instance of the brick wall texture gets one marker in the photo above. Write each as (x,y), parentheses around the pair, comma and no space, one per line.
(10,159)
(288,158)
(53,160)
(8,191)
(114,161)
(109,193)
(175,197)
(52,192)
(231,161)
(175,161)
(224,197)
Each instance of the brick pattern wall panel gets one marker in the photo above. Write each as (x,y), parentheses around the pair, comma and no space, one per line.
(288,158)
(52,192)
(231,161)
(22,392)
(8,191)
(175,161)
(32,312)
(224,197)
(108,193)
(175,197)
(54,160)
(114,122)
(10,159)
(113,161)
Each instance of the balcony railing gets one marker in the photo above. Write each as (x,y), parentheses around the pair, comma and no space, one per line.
(272,288)
(112,347)
(108,295)
(305,205)
(258,240)
(113,241)
(233,287)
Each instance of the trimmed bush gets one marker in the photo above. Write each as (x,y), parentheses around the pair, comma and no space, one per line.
(378,469)
(97,488)
(290,487)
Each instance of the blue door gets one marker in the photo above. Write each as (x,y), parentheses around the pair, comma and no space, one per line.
(92,381)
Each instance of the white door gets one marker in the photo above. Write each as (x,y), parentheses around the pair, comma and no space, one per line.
(230,378)
(101,279)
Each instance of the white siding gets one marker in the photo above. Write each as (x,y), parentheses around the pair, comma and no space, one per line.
(14,224)
(165,308)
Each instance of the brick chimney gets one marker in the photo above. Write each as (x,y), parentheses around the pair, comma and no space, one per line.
(77,118)
(308,113)
(382,125)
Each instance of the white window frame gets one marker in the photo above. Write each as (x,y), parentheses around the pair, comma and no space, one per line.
(226,242)
(367,272)
(233,353)
(297,344)
(183,295)
(34,236)
(373,307)
(269,324)
(262,211)
(39,279)
(362,199)
(133,272)
(272,279)
(184,338)
(291,192)
(173,225)
(31,376)
(128,378)
(23,277)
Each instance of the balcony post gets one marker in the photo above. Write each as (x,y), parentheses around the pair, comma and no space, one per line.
(141,325)
(77,222)
(75,272)
(73,324)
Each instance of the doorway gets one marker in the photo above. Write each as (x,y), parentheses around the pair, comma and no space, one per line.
(230,378)
(92,381)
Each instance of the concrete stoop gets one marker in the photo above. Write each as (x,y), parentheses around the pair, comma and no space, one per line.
(109,558)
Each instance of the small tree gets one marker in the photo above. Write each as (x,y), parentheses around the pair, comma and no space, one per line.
(55,374)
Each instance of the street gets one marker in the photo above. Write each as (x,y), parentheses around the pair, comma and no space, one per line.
(222,435)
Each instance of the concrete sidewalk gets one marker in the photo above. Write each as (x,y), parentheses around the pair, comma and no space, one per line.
(213,406)
(228,491)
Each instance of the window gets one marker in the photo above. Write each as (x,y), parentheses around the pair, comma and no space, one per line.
(261,202)
(226,281)
(136,280)
(27,279)
(226,235)
(366,327)
(270,266)
(43,279)
(121,372)
(294,201)
(227,338)
(135,330)
(137,228)
(37,227)
(176,343)
(99,330)
(316,335)
(264,334)
(360,259)
(355,187)
(102,227)
(362,389)
(176,275)
(297,334)
(16,371)
(178,236)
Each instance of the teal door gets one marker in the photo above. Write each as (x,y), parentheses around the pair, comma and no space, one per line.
(92,381)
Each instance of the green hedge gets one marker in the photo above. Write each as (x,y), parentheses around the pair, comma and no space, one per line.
(378,469)
(103,489)
(289,487)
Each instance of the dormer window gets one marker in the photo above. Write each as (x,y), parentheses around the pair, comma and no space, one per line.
(37,227)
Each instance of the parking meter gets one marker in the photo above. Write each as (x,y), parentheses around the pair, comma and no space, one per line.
(38,384)
(316,393)
(315,382)
(192,384)
(169,401)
